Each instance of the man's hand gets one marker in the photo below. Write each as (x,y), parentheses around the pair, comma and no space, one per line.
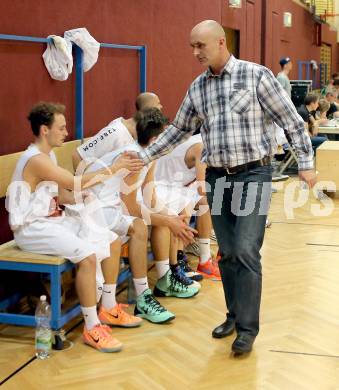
(87,196)
(181,230)
(129,162)
(309,177)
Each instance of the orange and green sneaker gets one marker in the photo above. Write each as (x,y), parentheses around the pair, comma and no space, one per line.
(209,270)
(118,317)
(101,339)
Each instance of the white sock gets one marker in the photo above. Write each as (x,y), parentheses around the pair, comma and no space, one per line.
(140,285)
(108,296)
(162,267)
(90,316)
(205,249)
(99,292)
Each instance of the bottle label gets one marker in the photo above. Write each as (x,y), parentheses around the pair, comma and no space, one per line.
(43,343)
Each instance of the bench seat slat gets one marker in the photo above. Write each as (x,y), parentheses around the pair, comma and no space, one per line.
(10,252)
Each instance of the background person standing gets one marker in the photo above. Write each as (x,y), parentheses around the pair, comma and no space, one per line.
(282,76)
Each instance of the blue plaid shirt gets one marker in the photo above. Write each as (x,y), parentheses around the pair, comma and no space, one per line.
(237,109)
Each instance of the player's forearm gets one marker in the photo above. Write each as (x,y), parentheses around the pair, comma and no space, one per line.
(66,196)
(90,179)
(153,217)
(135,210)
(159,220)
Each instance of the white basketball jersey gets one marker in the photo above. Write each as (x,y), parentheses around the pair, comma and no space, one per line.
(112,137)
(109,190)
(171,169)
(23,205)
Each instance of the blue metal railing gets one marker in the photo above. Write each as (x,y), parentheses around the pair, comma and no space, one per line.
(24,38)
(79,93)
(142,60)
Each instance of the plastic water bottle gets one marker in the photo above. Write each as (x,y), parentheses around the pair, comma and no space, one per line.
(43,333)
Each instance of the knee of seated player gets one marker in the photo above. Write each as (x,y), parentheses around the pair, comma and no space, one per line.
(88,263)
(162,230)
(115,247)
(202,207)
(203,201)
(138,229)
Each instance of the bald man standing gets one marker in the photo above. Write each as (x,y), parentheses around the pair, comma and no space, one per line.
(238,103)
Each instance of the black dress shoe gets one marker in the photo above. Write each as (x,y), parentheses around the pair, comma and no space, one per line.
(223,330)
(243,344)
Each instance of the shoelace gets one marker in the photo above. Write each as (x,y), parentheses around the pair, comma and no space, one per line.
(185,266)
(107,328)
(154,304)
(182,271)
(176,279)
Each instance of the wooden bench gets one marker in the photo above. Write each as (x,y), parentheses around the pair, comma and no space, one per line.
(327,163)
(12,258)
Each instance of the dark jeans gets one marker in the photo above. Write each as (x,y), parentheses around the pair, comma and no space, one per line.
(240,236)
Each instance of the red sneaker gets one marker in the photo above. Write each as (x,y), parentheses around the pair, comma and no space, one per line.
(218,257)
(209,270)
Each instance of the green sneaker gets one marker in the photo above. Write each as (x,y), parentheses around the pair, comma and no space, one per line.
(149,308)
(172,284)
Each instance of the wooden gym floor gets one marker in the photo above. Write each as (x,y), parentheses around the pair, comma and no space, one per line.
(297,348)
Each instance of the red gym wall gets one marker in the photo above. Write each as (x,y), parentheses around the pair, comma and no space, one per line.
(112,84)
(298,41)
(247,20)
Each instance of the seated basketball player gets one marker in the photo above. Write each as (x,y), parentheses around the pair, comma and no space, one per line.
(117,134)
(180,178)
(127,191)
(40,226)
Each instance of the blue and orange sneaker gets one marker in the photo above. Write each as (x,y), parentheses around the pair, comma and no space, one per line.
(209,270)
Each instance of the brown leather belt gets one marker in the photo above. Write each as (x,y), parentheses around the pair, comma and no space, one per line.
(243,167)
